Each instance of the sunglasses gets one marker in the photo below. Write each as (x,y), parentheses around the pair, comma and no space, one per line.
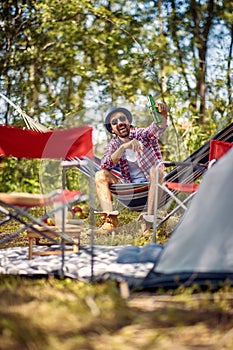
(115,121)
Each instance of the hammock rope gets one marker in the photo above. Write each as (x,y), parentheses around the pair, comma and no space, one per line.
(29,122)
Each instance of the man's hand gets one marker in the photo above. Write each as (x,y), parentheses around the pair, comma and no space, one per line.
(162,108)
(134,144)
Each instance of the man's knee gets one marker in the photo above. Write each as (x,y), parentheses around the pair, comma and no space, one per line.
(161,173)
(104,176)
(101,175)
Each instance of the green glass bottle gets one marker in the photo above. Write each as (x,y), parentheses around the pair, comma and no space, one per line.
(155,113)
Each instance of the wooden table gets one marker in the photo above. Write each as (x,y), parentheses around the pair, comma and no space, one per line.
(35,238)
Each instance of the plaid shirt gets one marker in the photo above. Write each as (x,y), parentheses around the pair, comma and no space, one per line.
(150,155)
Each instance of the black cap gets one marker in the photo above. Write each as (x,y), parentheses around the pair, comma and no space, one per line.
(114,110)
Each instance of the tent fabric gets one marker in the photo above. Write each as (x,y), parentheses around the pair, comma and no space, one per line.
(203,241)
(56,144)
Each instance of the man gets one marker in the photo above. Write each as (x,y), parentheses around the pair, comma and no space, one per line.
(136,152)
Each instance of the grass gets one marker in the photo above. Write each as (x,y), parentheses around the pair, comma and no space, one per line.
(51,314)
(67,314)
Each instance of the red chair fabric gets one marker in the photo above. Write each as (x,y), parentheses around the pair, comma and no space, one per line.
(182,187)
(218,149)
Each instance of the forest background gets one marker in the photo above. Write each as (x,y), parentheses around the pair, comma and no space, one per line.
(65,63)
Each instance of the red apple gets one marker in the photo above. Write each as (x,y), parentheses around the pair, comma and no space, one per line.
(76,209)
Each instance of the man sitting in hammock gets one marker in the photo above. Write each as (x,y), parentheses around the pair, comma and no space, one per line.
(136,152)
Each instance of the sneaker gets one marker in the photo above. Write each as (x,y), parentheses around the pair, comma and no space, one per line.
(109,224)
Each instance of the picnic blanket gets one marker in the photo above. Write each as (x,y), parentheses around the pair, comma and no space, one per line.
(98,263)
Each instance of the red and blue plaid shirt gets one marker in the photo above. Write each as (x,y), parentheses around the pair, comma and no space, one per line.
(150,155)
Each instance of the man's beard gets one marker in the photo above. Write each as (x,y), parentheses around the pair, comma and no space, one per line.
(126,130)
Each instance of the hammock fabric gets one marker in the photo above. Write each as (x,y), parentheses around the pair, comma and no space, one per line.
(56,144)
(134,196)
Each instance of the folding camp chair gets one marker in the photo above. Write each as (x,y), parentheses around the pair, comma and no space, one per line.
(217,150)
(57,144)
(16,206)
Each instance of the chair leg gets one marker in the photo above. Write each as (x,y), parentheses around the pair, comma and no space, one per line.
(157,185)
(30,248)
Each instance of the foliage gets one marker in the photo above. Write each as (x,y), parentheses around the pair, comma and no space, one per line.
(19,175)
(54,58)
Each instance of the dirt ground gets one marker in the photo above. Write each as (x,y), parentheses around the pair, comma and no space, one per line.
(197,321)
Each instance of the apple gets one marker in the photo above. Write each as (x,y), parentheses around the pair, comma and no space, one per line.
(49,221)
(76,209)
